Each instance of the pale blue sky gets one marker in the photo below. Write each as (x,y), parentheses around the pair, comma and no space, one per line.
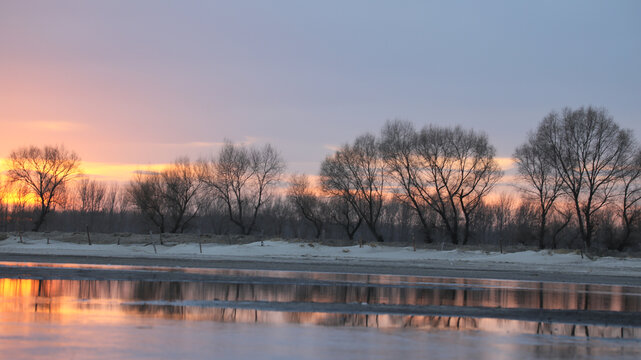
(146,81)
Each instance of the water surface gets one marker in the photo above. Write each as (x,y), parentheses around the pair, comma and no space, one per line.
(272,314)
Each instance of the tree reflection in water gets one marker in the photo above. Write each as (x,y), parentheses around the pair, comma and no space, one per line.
(246,301)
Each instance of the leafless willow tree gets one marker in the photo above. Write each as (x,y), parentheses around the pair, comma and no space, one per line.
(170,198)
(280,214)
(456,170)
(589,151)
(4,203)
(243,179)
(18,198)
(182,190)
(560,220)
(113,199)
(44,172)
(399,142)
(307,202)
(91,195)
(356,173)
(503,217)
(146,193)
(630,208)
(443,170)
(342,213)
(541,180)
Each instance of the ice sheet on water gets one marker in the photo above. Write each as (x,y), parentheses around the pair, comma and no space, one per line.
(147,338)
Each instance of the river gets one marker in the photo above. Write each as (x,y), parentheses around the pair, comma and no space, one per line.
(101,311)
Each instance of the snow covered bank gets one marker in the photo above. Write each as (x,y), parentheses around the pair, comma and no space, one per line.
(277,250)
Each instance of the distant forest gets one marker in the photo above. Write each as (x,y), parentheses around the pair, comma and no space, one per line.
(579,187)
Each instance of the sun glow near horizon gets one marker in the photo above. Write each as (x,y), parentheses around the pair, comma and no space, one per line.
(104,171)
(122,173)
(118,173)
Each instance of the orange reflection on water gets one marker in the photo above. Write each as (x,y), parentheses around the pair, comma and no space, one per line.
(354,288)
(111,301)
(17,287)
(51,300)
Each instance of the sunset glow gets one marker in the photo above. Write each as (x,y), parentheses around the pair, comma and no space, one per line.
(117,172)
(123,173)
(107,172)
(271,74)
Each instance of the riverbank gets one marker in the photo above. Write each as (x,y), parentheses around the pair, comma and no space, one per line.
(274,254)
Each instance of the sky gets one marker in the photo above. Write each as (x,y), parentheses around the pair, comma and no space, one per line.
(128,84)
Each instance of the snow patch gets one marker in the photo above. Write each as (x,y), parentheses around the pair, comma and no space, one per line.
(274,250)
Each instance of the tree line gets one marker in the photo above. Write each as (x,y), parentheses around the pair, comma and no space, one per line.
(579,186)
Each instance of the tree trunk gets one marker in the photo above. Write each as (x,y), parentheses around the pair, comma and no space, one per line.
(466,229)
(542,231)
(39,222)
(41,218)
(589,227)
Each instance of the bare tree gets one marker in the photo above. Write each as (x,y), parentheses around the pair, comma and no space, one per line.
(456,171)
(356,174)
(503,217)
(169,198)
(19,208)
(526,222)
(307,202)
(399,142)
(560,220)
(543,183)
(342,213)
(45,172)
(243,178)
(4,203)
(91,195)
(112,199)
(114,207)
(280,213)
(181,193)
(630,208)
(589,151)
(146,193)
